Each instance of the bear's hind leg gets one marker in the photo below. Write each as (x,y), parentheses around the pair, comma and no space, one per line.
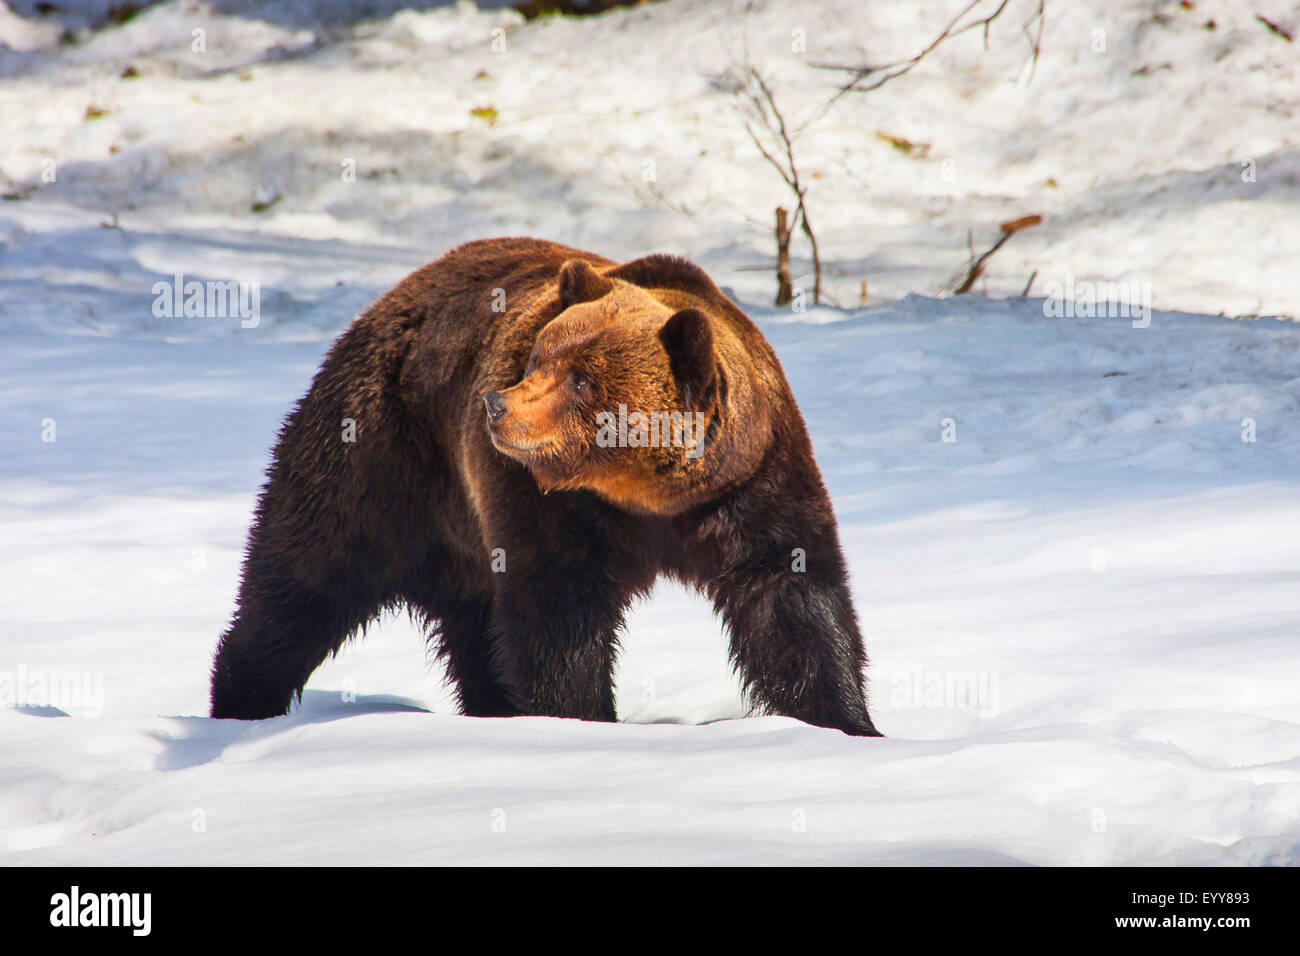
(282,631)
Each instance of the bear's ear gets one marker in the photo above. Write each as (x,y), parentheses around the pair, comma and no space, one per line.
(687,337)
(579,282)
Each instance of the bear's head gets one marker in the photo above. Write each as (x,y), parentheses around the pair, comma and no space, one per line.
(626,393)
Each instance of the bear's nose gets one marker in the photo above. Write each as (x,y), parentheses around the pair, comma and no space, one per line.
(496,406)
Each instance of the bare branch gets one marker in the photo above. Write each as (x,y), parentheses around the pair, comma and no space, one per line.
(765,122)
(652,190)
(767,128)
(758,143)
(976,268)
(866,78)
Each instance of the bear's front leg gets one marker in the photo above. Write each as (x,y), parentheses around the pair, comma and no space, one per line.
(556,633)
(794,636)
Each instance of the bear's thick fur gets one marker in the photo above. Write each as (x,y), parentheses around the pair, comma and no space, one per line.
(473,448)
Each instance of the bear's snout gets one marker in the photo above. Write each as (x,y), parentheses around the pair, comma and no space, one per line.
(496,406)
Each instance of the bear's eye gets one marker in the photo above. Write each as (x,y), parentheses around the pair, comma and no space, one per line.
(579,381)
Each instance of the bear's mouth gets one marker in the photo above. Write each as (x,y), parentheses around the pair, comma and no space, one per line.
(517,449)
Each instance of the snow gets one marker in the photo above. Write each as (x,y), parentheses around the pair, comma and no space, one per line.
(1081,610)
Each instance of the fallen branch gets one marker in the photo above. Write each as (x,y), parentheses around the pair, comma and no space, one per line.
(1274,28)
(1009,229)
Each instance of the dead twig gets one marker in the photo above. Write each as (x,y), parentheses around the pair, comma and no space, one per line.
(775,144)
(976,268)
(866,77)
(651,190)
(1275,29)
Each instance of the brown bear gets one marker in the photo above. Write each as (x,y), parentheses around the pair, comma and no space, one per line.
(514,443)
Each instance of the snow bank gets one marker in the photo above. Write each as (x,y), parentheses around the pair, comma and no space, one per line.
(1081,614)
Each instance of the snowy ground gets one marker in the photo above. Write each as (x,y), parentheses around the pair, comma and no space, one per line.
(1083,611)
